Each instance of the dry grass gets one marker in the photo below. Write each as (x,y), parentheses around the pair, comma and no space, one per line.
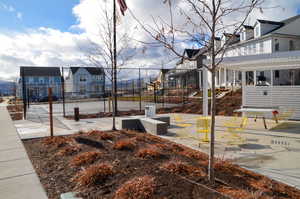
(149,152)
(193,154)
(68,150)
(93,175)
(85,158)
(102,135)
(58,141)
(183,168)
(125,144)
(136,188)
(163,146)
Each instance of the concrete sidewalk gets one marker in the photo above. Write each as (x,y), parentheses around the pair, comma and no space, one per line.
(17,175)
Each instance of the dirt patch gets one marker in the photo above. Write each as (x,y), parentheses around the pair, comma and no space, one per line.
(140,166)
(15,112)
(225,106)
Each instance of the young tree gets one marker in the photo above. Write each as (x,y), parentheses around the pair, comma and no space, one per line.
(201,22)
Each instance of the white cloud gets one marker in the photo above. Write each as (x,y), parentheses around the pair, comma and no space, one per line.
(19,15)
(11,9)
(49,47)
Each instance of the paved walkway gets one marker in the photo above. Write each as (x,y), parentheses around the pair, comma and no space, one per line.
(17,176)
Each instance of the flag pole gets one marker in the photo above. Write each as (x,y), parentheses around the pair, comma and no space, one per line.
(114,74)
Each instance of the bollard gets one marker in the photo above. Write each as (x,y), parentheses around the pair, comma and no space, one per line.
(76,114)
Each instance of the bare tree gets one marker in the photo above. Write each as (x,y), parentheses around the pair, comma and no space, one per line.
(202,22)
(101,50)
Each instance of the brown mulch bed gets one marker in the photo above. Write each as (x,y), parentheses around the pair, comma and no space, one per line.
(132,165)
(15,112)
(225,106)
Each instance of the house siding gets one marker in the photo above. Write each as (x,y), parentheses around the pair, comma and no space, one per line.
(283,96)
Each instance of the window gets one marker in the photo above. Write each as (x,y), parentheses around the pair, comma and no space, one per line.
(263,78)
(82,78)
(276,45)
(291,45)
(82,90)
(36,80)
(286,77)
(249,78)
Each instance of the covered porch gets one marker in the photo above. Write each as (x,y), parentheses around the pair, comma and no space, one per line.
(269,80)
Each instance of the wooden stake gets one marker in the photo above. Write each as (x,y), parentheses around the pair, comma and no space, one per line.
(50,111)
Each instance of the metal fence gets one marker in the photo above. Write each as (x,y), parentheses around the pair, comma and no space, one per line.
(90,90)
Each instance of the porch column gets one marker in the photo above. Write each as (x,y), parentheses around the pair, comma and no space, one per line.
(234,77)
(243,87)
(200,80)
(205,92)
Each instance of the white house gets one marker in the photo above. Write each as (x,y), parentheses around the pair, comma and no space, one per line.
(85,82)
(268,56)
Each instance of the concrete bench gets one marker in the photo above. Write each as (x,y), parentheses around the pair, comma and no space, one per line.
(131,124)
(165,119)
(157,125)
(154,126)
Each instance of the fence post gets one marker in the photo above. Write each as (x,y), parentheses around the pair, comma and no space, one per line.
(104,105)
(63,91)
(109,104)
(50,111)
(28,100)
(140,89)
(133,87)
(24,92)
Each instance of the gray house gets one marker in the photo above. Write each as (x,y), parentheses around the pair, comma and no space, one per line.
(185,74)
(85,82)
(37,81)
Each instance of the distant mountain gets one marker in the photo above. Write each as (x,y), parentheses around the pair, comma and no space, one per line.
(6,87)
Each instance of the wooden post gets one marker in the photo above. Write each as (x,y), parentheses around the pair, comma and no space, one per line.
(50,110)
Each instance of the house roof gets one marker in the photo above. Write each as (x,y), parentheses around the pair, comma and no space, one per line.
(270,22)
(248,27)
(276,29)
(91,70)
(40,71)
(192,54)
(230,34)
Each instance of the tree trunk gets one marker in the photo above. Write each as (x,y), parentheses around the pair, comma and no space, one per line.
(211,172)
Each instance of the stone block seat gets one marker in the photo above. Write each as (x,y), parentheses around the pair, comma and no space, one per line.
(157,125)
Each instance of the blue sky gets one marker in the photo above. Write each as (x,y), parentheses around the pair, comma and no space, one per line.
(18,15)
(38,32)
